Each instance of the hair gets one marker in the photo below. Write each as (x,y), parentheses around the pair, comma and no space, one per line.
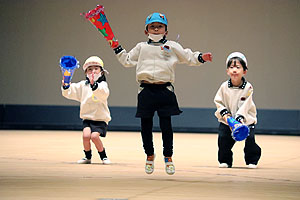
(102,78)
(240,60)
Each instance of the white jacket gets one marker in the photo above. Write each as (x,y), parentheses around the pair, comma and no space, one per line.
(156,62)
(93,104)
(237,100)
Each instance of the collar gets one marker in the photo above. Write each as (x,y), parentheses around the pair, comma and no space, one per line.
(230,85)
(87,80)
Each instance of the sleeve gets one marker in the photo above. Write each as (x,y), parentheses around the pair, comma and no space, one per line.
(73,92)
(248,108)
(102,91)
(219,102)
(128,59)
(187,56)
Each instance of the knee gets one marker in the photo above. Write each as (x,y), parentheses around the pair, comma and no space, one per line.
(165,124)
(251,136)
(86,137)
(225,141)
(95,136)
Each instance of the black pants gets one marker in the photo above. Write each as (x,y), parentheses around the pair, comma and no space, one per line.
(156,97)
(167,135)
(159,98)
(225,143)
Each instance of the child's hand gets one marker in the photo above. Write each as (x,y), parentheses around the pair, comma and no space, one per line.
(63,83)
(207,57)
(225,117)
(91,78)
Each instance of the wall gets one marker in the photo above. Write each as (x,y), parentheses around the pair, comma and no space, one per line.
(36,33)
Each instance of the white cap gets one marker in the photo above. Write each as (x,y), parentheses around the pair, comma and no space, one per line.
(239,55)
(93,60)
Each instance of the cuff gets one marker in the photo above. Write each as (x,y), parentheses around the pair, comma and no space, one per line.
(118,49)
(65,87)
(224,112)
(200,58)
(240,118)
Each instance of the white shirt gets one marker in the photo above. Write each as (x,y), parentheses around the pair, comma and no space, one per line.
(155,62)
(237,100)
(93,104)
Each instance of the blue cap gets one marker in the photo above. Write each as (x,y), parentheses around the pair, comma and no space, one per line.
(156,17)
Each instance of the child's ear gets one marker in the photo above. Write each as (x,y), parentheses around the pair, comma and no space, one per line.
(146,32)
(245,72)
(166,33)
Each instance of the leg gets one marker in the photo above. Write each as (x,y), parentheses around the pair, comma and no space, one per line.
(252,150)
(225,144)
(167,135)
(99,146)
(97,141)
(86,136)
(147,137)
(146,132)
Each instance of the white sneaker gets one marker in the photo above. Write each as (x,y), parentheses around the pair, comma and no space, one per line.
(169,166)
(223,165)
(252,166)
(106,161)
(84,161)
(149,166)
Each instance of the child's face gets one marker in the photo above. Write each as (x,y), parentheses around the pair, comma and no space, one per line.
(156,28)
(236,72)
(94,69)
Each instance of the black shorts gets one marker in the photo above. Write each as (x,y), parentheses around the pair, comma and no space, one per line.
(157,97)
(96,126)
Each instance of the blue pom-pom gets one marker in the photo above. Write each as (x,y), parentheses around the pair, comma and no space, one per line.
(69,62)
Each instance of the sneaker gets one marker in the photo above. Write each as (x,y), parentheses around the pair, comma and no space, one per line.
(252,166)
(223,165)
(106,161)
(170,168)
(149,167)
(84,161)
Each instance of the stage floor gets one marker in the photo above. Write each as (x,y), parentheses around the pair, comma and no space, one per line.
(42,165)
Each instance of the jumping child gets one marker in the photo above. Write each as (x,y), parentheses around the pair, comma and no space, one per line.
(155,62)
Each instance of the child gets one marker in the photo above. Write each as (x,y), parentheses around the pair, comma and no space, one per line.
(155,62)
(234,98)
(92,94)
